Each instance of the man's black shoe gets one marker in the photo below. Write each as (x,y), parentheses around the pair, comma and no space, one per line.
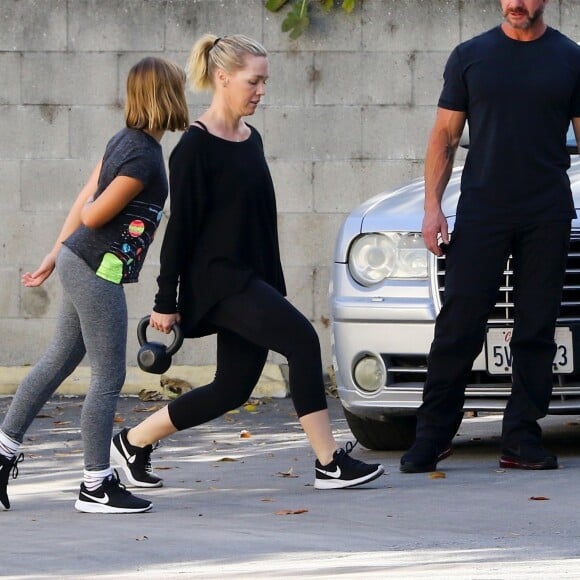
(424,456)
(528,457)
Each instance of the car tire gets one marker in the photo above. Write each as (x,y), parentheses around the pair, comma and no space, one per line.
(395,433)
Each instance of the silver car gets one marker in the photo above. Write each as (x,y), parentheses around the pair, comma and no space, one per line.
(385,293)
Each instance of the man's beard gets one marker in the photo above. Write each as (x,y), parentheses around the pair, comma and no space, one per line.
(529,22)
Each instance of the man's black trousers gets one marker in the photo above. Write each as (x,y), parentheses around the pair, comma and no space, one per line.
(476,259)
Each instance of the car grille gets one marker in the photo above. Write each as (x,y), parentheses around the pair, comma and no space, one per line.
(503,310)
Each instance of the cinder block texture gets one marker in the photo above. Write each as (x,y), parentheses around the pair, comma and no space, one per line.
(33,25)
(186,20)
(52,184)
(30,132)
(115,26)
(294,191)
(347,113)
(10,185)
(411,25)
(10,65)
(569,21)
(71,78)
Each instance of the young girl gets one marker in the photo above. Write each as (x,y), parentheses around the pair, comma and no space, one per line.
(101,246)
(221,251)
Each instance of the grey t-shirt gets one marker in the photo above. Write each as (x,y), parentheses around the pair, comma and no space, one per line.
(116,251)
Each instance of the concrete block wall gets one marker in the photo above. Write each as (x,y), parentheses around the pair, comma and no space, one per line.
(347,114)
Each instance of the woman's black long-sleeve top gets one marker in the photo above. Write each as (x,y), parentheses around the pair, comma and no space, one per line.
(222,228)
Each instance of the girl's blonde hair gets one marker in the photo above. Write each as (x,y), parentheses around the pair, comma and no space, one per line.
(156,96)
(212,52)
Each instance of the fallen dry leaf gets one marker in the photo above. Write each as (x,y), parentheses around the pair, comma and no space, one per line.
(245,434)
(44,416)
(174,387)
(291,512)
(149,395)
(437,475)
(267,499)
(118,419)
(539,497)
(250,408)
(258,402)
(289,473)
(67,453)
(61,423)
(227,459)
(151,409)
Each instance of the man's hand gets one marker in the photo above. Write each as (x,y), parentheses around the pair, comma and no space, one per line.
(435,225)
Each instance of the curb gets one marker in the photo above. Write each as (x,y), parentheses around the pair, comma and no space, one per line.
(272,383)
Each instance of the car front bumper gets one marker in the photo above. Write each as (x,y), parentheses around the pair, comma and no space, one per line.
(396,325)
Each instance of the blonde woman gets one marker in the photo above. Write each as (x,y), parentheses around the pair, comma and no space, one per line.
(221,271)
(101,246)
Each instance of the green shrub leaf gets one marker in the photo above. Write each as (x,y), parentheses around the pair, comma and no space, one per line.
(275,5)
(297,19)
(348,5)
(327,5)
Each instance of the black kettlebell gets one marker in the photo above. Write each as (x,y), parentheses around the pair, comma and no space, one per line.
(155,357)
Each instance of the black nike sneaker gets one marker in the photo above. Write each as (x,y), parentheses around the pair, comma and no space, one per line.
(110,497)
(345,471)
(8,466)
(134,461)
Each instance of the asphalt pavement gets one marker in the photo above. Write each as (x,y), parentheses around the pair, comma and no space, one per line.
(238,502)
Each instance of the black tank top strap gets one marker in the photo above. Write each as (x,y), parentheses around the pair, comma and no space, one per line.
(201,125)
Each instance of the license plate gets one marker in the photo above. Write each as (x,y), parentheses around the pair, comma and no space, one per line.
(499,354)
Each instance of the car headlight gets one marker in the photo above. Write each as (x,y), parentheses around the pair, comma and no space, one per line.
(375,257)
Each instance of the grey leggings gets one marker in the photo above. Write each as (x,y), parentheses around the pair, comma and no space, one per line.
(92,321)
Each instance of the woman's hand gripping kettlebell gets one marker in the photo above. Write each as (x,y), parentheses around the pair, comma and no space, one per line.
(155,357)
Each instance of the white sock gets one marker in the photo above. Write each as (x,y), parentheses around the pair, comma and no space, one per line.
(94,479)
(8,446)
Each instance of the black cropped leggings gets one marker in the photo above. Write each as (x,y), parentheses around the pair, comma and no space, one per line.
(250,324)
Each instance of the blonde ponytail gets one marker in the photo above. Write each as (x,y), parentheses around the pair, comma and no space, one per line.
(212,52)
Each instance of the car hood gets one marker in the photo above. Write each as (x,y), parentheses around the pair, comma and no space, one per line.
(401,209)
(404,206)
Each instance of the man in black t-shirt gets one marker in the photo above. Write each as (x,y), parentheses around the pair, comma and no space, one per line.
(518,87)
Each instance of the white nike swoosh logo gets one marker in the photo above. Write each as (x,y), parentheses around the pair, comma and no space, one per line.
(130,458)
(334,474)
(104,499)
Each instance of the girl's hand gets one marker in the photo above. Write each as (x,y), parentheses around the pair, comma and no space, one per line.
(164,322)
(41,274)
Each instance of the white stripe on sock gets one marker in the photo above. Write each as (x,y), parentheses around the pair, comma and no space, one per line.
(8,446)
(94,479)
